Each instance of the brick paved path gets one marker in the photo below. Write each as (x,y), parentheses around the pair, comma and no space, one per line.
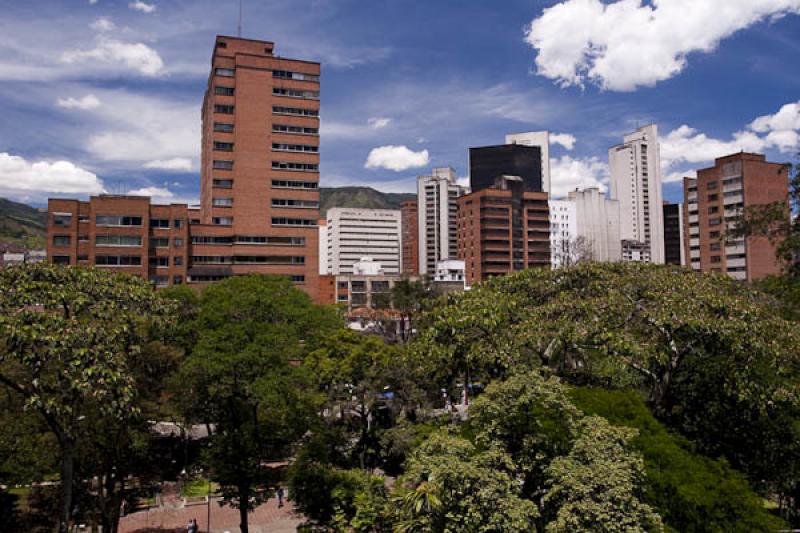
(267,518)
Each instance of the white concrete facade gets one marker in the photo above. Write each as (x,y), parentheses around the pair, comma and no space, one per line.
(597,222)
(540,139)
(323,247)
(563,232)
(356,233)
(635,167)
(450,270)
(436,217)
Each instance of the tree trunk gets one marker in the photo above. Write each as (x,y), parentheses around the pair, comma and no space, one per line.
(244,507)
(67,473)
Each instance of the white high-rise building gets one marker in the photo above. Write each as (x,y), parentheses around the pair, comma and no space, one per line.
(323,246)
(597,224)
(355,233)
(563,233)
(540,139)
(436,217)
(635,167)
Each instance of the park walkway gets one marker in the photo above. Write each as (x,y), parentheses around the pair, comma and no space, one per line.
(267,518)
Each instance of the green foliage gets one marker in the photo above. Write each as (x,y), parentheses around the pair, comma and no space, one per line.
(531,418)
(691,492)
(786,292)
(596,487)
(450,486)
(241,378)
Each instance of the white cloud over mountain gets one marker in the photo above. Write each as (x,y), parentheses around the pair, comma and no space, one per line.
(397,158)
(25,180)
(627,44)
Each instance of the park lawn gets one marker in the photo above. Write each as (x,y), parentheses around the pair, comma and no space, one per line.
(198,487)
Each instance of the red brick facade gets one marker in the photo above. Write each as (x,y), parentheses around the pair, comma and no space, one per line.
(410,237)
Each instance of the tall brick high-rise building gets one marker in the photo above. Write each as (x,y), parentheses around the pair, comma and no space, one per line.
(713,203)
(259,195)
(410,237)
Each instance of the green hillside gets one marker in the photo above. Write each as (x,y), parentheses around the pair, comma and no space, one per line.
(366,197)
(22,225)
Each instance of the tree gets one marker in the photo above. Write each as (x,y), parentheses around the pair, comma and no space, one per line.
(570,252)
(778,222)
(359,375)
(240,373)
(67,337)
(597,486)
(409,297)
(450,485)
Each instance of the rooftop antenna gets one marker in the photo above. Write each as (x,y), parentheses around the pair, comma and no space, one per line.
(239,32)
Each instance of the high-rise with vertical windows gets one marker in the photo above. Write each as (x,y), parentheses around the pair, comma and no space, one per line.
(714,202)
(635,167)
(259,196)
(674,253)
(356,233)
(436,215)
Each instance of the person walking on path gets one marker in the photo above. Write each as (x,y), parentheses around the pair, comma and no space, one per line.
(192,527)
(280,496)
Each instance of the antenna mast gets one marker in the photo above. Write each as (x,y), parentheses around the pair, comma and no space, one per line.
(240,19)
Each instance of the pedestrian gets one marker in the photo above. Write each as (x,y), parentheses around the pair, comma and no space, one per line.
(279,492)
(192,527)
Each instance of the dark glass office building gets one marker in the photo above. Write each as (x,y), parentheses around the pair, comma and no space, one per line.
(673,234)
(488,162)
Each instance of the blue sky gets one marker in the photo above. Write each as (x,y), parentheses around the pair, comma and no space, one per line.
(105,95)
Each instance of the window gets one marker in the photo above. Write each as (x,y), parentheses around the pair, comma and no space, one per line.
(83,218)
(270,241)
(715,246)
(713,209)
(222,184)
(213,259)
(341,284)
(222,202)
(223,147)
(223,164)
(269,259)
(177,223)
(282,147)
(299,111)
(159,281)
(716,259)
(284,202)
(287,75)
(224,91)
(224,109)
(118,260)
(223,127)
(206,239)
(177,260)
(159,223)
(159,262)
(222,221)
(227,72)
(61,260)
(177,242)
(297,278)
(286,184)
(358,286)
(83,258)
(222,44)
(295,93)
(714,222)
(712,185)
(82,237)
(177,280)
(118,240)
(713,235)
(159,242)
(117,220)
(62,219)
(300,130)
(61,240)
(285,221)
(297,167)
(713,197)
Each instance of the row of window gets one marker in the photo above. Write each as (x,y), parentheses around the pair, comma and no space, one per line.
(163,281)
(282,74)
(297,111)
(223,109)
(225,164)
(248,239)
(223,146)
(295,93)
(162,261)
(248,259)
(295,147)
(300,130)
(285,202)
(287,221)
(222,202)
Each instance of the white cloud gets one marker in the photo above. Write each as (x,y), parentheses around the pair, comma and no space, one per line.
(102,24)
(92,2)
(629,43)
(176,163)
(161,195)
(377,123)
(86,102)
(568,174)
(397,158)
(787,118)
(142,6)
(136,56)
(25,180)
(564,139)
(143,129)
